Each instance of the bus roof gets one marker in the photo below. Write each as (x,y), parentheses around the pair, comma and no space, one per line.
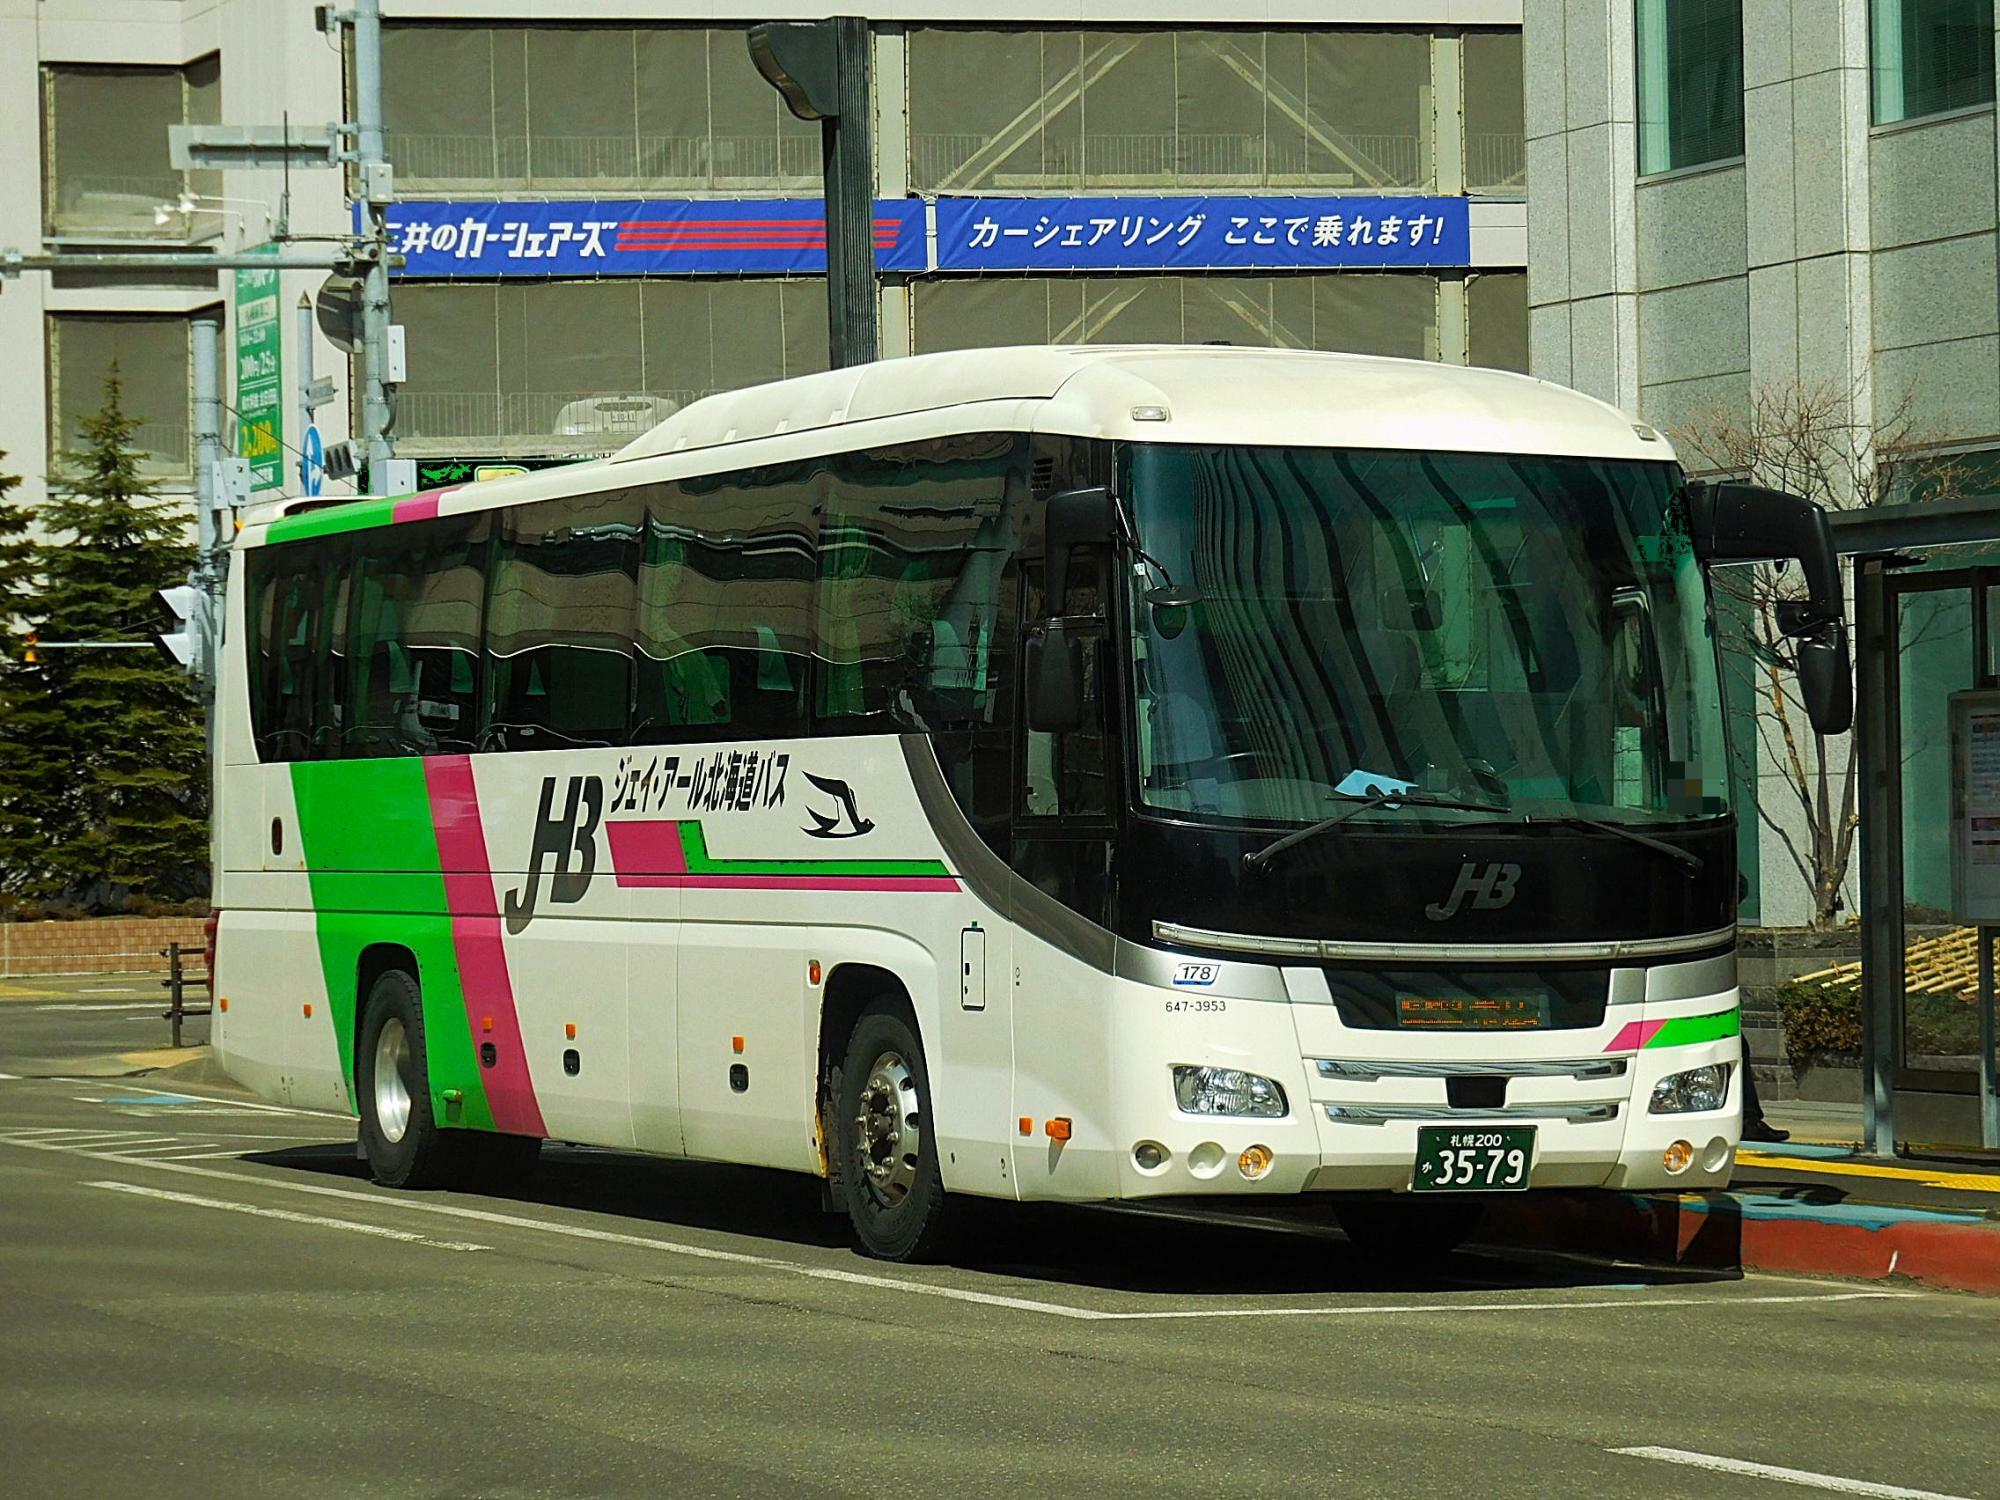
(1190,393)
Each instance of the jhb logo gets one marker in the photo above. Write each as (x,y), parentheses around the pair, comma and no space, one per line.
(558,841)
(1489,887)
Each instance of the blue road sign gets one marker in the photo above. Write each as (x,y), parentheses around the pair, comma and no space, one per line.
(312,461)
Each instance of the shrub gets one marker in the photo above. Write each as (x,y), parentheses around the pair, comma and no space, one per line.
(1818,1022)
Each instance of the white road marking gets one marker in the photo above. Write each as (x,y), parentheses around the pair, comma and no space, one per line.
(287,1216)
(182,1093)
(1785,1476)
(11,1077)
(913,1288)
(102,1005)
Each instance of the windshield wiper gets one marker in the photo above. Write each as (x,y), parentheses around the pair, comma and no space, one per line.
(1256,859)
(1687,857)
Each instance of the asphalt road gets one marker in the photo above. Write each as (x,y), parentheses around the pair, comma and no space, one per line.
(201,1296)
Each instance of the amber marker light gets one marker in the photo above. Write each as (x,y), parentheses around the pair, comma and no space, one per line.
(1027,1125)
(1255,1161)
(224,1003)
(569,1031)
(308,1011)
(1058,1128)
(812,972)
(485,1023)
(736,1044)
(1677,1156)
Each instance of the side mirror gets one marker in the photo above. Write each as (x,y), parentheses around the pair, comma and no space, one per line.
(1054,662)
(1748,523)
(1075,518)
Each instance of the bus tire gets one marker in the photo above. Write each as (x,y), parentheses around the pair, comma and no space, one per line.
(889,1161)
(1400,1232)
(403,1143)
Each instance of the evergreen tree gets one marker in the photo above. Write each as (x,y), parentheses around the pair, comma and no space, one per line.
(17,570)
(113,788)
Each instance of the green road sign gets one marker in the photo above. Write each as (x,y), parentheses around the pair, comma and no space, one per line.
(260,375)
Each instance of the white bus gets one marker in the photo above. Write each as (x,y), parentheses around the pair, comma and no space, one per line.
(1040,773)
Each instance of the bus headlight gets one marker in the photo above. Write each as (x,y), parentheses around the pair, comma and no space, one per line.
(1691,1092)
(1226,1091)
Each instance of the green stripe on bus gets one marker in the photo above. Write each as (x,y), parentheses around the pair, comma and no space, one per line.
(357,515)
(372,861)
(1685,1031)
(699,862)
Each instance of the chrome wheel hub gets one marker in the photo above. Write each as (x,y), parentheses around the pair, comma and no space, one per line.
(890,1129)
(392,1088)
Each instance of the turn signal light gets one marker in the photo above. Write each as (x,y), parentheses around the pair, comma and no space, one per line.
(1255,1161)
(812,972)
(1058,1128)
(1677,1156)
(1027,1124)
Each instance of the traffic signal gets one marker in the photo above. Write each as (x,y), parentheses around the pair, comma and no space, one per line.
(29,644)
(183,644)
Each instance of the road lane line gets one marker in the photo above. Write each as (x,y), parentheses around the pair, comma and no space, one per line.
(11,1077)
(181,1093)
(287,1216)
(103,1005)
(917,1288)
(1785,1476)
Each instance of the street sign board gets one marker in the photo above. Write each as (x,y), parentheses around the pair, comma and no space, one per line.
(312,462)
(260,369)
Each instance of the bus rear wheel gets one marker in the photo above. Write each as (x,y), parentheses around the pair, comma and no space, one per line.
(889,1167)
(405,1145)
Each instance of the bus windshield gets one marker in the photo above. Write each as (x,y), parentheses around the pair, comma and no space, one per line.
(1526,633)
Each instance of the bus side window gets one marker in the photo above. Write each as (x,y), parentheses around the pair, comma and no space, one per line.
(725,602)
(559,624)
(1065,775)
(415,647)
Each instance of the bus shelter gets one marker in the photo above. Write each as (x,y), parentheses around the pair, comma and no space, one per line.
(1927,654)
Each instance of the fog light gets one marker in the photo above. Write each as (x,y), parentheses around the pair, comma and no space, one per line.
(1149,1156)
(1255,1161)
(1226,1091)
(1693,1092)
(1676,1157)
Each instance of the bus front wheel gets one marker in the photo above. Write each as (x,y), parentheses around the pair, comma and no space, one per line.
(889,1166)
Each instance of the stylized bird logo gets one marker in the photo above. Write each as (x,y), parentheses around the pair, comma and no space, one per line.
(830,828)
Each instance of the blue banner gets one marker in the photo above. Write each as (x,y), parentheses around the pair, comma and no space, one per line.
(787,236)
(626,237)
(1200,234)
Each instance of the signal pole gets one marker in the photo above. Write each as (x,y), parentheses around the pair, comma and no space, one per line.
(377,190)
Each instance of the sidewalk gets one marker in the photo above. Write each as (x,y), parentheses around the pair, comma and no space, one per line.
(1808,1207)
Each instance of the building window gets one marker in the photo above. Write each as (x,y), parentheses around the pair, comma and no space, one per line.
(1495,159)
(658,108)
(1690,83)
(1931,56)
(104,142)
(1496,318)
(154,358)
(582,367)
(1056,110)
(1358,313)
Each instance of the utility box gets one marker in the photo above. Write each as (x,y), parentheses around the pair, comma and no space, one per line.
(1975,806)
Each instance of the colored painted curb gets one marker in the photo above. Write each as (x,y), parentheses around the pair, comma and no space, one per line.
(1753,1231)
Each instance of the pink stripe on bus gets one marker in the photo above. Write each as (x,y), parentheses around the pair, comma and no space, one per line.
(475,936)
(1633,1035)
(654,847)
(422,507)
(790,882)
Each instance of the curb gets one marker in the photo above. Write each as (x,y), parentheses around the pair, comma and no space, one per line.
(1948,1249)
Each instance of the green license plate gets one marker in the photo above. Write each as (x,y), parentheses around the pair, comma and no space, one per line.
(1473,1158)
